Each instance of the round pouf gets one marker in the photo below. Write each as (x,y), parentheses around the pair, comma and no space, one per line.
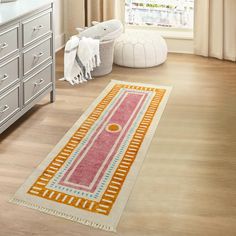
(140,49)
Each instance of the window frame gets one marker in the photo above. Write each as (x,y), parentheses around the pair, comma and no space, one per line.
(166,32)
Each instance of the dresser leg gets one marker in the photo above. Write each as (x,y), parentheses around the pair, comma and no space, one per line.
(52,96)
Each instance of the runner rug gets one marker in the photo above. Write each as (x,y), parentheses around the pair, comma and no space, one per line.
(89,175)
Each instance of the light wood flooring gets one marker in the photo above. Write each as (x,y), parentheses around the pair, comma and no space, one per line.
(187,184)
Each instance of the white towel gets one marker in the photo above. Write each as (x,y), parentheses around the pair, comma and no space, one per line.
(88,53)
(85,51)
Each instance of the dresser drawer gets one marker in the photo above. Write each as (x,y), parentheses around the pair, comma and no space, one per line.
(9,104)
(8,41)
(36,27)
(37,55)
(9,73)
(37,83)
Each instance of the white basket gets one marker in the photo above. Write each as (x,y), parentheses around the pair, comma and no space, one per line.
(106,56)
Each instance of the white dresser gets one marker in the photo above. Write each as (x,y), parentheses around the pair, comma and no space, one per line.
(27,57)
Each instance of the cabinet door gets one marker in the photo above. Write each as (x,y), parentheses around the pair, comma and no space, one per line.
(9,104)
(9,73)
(8,41)
(36,27)
(37,83)
(37,55)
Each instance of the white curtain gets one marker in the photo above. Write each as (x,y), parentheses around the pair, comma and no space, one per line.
(74,16)
(79,13)
(215,28)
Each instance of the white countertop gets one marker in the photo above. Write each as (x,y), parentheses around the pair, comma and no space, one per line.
(13,10)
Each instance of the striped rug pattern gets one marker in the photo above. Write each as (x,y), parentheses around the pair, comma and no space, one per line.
(89,175)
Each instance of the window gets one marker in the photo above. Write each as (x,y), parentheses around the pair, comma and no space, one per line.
(176,14)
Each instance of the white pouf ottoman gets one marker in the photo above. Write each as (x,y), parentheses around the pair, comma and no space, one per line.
(140,49)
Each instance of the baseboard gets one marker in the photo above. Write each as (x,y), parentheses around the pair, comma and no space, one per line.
(60,42)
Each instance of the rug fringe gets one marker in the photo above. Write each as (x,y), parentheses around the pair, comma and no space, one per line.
(63,215)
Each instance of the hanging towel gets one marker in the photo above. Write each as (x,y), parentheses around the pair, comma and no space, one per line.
(88,54)
(81,57)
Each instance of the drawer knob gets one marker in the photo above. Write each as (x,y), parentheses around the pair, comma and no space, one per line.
(4,109)
(39,27)
(3,45)
(40,82)
(4,77)
(37,56)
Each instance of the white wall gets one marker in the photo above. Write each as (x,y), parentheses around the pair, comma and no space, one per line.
(69,15)
(178,45)
(59,24)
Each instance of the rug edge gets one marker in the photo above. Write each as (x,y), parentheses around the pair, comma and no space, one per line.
(167,87)
(52,212)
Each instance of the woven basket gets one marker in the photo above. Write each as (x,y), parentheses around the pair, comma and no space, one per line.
(106,55)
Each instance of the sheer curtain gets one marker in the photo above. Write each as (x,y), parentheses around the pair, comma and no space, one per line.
(74,16)
(215,28)
(80,13)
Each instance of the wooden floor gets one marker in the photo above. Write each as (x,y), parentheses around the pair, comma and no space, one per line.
(187,185)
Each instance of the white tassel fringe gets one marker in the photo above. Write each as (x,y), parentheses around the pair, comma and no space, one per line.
(63,215)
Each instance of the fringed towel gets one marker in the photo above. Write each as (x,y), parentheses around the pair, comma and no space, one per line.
(81,57)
